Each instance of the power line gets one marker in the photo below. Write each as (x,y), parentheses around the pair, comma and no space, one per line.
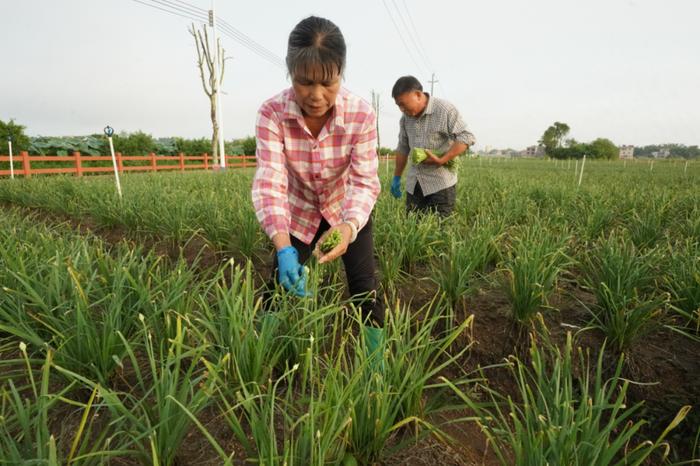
(186,8)
(411,34)
(189,5)
(249,43)
(398,30)
(169,11)
(417,35)
(191,12)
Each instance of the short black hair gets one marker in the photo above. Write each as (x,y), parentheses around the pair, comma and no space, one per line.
(316,41)
(405,84)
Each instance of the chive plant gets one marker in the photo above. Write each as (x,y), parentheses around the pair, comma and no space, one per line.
(622,278)
(562,415)
(682,280)
(531,269)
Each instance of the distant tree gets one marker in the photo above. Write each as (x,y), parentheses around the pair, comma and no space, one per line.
(137,143)
(193,146)
(603,148)
(249,145)
(20,141)
(553,137)
(166,146)
(574,150)
(682,151)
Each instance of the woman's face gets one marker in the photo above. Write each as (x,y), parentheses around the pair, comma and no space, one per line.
(315,91)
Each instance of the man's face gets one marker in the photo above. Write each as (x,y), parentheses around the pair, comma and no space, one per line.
(410,103)
(314,92)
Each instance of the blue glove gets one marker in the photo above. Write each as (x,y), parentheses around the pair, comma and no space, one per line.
(290,273)
(396,187)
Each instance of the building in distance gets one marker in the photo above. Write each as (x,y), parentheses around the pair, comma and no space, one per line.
(626,152)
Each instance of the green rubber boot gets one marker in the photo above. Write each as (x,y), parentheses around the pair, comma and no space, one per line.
(374,345)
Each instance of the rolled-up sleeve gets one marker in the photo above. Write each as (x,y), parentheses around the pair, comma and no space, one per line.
(269,191)
(363,185)
(458,129)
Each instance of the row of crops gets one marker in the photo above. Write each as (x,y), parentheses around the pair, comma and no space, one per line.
(110,351)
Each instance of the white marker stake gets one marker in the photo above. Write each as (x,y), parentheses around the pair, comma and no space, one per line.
(685,169)
(109,132)
(12,166)
(580,176)
(651,166)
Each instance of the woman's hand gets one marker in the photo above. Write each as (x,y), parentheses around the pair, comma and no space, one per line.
(345,235)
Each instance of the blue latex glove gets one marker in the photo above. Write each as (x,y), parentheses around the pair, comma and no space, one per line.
(396,187)
(290,273)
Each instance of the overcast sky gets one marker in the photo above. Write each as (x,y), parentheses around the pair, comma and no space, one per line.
(621,69)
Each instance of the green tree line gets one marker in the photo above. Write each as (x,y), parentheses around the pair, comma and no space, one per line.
(675,150)
(556,145)
(134,143)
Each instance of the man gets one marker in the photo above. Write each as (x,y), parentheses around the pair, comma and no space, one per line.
(434,125)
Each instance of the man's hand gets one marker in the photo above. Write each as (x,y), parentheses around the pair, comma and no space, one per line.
(433,159)
(290,273)
(340,249)
(396,187)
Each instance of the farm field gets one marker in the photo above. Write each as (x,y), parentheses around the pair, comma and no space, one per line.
(544,323)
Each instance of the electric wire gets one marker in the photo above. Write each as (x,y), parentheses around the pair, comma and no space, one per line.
(398,30)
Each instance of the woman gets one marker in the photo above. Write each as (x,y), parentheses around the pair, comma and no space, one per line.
(317,170)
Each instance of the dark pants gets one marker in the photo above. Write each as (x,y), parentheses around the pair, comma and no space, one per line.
(441,202)
(359,269)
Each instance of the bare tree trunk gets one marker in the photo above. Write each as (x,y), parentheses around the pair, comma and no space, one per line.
(215,131)
(205,56)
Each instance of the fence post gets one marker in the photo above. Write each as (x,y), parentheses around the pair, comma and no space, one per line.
(154,166)
(205,156)
(26,165)
(181,156)
(120,165)
(12,162)
(78,163)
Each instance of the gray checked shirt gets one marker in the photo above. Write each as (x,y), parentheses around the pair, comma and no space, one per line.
(436,129)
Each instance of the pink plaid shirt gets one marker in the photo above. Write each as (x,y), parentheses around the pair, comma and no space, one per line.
(301,179)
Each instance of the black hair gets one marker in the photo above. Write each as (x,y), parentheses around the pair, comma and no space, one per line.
(316,42)
(405,84)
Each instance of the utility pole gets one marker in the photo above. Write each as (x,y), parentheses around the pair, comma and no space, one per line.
(217,84)
(375,106)
(432,81)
